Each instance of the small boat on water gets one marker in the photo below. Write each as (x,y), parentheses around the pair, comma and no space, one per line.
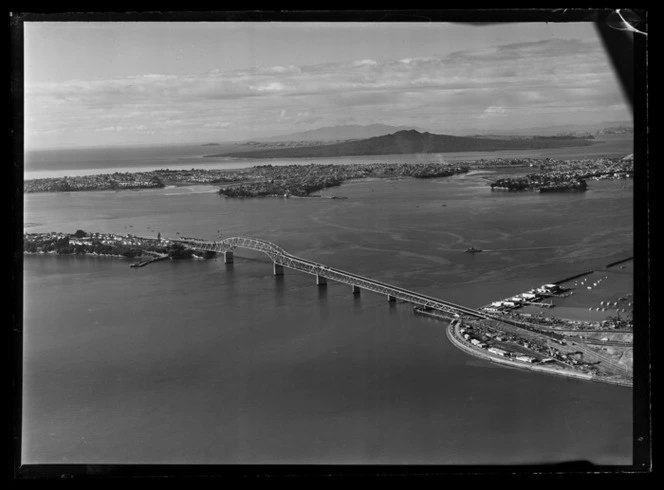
(473,250)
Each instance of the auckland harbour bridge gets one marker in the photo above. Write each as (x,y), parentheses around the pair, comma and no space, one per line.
(281,259)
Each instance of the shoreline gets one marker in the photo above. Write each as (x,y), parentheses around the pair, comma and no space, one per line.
(299,179)
(451,330)
(452,334)
(115,256)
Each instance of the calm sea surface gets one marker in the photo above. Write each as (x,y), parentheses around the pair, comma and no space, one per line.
(202,362)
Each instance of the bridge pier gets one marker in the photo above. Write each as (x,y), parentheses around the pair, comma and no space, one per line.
(321,281)
(278,269)
(391,298)
(228,257)
(355,289)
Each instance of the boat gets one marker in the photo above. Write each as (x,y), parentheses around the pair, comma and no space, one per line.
(473,250)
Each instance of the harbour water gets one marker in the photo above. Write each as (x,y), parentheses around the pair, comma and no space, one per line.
(202,362)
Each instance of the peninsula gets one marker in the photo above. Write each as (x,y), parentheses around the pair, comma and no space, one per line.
(557,176)
(301,180)
(108,244)
(596,350)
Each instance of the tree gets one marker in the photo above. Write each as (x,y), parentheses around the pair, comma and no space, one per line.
(80,234)
(178,251)
(62,243)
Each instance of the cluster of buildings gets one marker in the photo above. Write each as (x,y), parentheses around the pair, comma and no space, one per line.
(98,243)
(596,169)
(486,340)
(480,340)
(532,296)
(565,175)
(302,180)
(197,176)
(588,165)
(298,180)
(140,180)
(505,162)
(555,181)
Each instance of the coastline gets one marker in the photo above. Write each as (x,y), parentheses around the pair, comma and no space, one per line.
(303,179)
(454,337)
(85,254)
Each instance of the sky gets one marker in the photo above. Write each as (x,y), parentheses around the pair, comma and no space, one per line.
(116,83)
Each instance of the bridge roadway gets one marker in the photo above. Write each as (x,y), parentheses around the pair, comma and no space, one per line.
(281,259)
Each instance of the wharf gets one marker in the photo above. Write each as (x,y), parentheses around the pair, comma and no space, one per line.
(419,310)
(576,276)
(612,264)
(146,262)
(538,304)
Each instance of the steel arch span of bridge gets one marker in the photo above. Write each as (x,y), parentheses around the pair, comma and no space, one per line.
(282,259)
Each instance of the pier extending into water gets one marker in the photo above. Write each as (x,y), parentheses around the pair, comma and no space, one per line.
(612,264)
(575,276)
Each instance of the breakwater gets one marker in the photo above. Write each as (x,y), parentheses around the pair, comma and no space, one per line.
(618,262)
(576,276)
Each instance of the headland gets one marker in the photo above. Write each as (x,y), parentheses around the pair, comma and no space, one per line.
(302,180)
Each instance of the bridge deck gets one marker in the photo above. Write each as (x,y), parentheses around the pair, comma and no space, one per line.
(281,257)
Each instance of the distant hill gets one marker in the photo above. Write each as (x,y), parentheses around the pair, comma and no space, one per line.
(339,133)
(411,141)
(570,136)
(576,129)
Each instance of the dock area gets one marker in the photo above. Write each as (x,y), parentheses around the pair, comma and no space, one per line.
(532,297)
(149,261)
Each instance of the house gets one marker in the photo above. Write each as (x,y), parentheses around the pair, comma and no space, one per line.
(495,350)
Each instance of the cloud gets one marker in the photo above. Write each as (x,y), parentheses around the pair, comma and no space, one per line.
(116,129)
(516,80)
(569,62)
(270,87)
(360,63)
(493,111)
(362,98)
(217,124)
